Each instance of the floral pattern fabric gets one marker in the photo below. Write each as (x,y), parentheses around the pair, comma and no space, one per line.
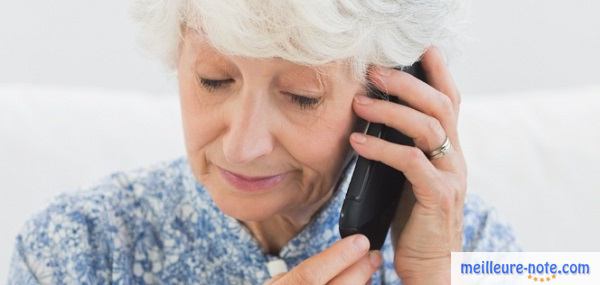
(158,225)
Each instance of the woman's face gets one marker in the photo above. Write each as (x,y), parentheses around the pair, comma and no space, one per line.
(245,116)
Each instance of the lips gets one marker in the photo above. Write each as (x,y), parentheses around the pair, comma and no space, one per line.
(252,184)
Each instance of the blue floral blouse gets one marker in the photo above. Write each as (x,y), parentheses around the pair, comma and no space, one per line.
(158,225)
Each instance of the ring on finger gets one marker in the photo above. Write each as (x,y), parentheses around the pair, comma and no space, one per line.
(441,150)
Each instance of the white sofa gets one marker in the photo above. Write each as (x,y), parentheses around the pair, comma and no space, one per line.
(534,155)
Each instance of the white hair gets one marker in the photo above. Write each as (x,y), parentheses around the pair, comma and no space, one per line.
(307,32)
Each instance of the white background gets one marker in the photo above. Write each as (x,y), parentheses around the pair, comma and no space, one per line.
(520,46)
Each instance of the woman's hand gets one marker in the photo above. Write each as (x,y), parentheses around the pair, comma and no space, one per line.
(348,261)
(425,236)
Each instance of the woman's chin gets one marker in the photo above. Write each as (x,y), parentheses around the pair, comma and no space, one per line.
(249,207)
(244,210)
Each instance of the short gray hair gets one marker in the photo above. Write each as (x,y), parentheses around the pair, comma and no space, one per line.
(308,32)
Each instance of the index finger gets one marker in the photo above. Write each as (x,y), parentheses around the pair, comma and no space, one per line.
(324,266)
(439,77)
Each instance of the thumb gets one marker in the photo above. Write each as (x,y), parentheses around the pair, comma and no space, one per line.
(275,278)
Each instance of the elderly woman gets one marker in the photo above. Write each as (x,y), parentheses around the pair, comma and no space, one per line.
(270,94)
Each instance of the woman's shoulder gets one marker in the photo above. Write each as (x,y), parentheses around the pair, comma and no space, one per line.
(125,192)
(132,196)
(485,228)
(92,225)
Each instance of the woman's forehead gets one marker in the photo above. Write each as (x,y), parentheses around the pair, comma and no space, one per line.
(322,75)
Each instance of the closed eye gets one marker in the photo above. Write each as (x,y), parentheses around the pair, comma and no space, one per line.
(212,85)
(303,102)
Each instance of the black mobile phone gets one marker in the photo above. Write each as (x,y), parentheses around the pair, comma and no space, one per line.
(375,188)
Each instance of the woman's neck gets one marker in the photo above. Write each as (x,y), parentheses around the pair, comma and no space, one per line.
(274,233)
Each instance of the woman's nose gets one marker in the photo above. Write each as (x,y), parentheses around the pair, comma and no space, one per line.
(248,136)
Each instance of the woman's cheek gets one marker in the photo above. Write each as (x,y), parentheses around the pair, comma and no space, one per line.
(325,151)
(201,118)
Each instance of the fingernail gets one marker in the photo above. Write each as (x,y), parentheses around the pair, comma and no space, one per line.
(363,100)
(375,258)
(361,242)
(358,137)
(383,70)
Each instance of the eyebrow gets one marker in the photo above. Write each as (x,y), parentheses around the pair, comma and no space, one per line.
(205,58)
(315,79)
(311,74)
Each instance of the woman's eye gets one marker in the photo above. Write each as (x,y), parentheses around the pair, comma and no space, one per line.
(212,85)
(303,101)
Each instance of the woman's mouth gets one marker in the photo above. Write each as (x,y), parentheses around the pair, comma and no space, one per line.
(251,184)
